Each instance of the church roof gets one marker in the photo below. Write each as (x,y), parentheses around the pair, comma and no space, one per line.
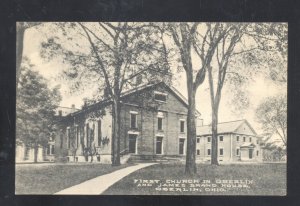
(140,88)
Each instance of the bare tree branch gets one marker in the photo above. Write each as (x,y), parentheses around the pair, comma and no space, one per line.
(110,34)
(105,44)
(99,59)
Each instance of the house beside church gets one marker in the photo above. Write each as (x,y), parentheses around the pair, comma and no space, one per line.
(237,141)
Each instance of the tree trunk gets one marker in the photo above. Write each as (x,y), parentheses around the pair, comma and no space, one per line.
(190,166)
(116,133)
(19,49)
(214,139)
(215,100)
(35,153)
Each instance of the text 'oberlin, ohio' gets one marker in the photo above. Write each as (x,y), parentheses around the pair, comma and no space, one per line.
(193,185)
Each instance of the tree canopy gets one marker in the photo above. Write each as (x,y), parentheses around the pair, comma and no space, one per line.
(35,108)
(272,115)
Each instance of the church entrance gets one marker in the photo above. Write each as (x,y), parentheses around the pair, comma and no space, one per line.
(132,143)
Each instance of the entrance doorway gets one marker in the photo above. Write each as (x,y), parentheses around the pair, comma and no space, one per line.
(132,143)
(159,145)
(250,153)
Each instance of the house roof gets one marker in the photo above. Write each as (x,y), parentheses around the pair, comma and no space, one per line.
(223,127)
(132,91)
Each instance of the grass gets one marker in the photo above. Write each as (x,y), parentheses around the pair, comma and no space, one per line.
(51,178)
(268,179)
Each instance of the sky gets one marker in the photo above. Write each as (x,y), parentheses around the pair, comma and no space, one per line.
(259,88)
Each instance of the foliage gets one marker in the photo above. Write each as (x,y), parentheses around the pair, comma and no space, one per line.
(35,107)
(272,115)
(272,40)
(273,152)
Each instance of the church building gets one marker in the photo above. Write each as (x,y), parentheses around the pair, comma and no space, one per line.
(153,126)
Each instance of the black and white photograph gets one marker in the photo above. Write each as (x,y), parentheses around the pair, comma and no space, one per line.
(151,108)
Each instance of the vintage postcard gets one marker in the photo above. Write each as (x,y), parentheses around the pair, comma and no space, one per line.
(151,108)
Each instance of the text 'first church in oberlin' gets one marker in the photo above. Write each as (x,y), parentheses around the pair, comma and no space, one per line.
(153,127)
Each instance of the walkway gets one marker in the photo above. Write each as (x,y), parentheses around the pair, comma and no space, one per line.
(99,184)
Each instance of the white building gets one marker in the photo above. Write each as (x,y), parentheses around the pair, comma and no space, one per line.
(237,141)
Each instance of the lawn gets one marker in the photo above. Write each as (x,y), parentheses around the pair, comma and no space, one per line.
(263,179)
(51,178)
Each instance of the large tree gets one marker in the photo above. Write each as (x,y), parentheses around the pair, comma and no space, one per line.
(109,55)
(272,115)
(187,37)
(35,109)
(231,34)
